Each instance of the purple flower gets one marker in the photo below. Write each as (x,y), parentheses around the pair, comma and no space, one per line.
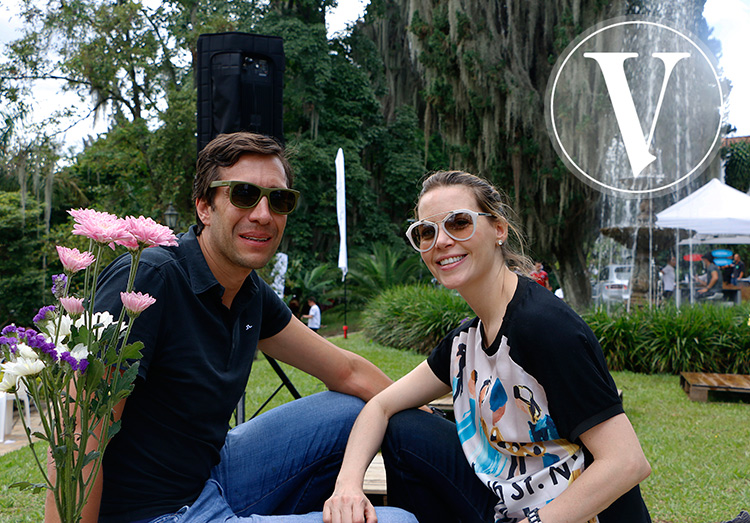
(59,284)
(65,356)
(74,363)
(9,329)
(11,343)
(45,313)
(38,341)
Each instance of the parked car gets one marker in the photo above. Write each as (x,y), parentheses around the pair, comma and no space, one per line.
(612,284)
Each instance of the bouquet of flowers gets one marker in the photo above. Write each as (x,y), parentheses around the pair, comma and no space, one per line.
(77,365)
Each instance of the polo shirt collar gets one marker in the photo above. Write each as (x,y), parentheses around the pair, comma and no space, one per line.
(201,278)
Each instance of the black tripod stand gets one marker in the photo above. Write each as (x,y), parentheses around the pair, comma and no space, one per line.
(285,382)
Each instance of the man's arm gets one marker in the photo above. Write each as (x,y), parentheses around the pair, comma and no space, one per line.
(340,370)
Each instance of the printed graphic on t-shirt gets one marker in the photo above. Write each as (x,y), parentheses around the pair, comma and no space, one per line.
(506,432)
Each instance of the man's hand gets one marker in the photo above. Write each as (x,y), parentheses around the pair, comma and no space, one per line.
(349,505)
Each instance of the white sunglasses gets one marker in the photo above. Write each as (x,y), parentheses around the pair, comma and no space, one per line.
(459,225)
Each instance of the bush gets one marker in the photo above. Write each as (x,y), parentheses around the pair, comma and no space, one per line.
(414,316)
(698,338)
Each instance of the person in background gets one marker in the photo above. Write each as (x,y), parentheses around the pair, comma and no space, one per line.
(712,282)
(738,269)
(540,432)
(294,306)
(668,278)
(313,316)
(540,275)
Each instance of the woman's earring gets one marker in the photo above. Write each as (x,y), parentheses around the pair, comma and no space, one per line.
(500,242)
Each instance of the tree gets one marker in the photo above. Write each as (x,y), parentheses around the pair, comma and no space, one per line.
(737,166)
(330,103)
(380,267)
(476,72)
(22,280)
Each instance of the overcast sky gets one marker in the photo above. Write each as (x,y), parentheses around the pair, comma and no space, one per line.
(730,20)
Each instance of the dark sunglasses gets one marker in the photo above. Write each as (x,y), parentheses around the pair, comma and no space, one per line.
(247,195)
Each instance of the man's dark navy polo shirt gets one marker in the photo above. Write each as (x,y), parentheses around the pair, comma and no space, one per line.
(196,362)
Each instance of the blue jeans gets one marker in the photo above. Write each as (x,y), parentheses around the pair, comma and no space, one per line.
(285,461)
(428,474)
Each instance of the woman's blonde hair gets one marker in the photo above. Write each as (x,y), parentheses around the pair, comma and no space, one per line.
(490,200)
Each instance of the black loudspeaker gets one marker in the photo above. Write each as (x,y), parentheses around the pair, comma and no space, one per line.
(240,85)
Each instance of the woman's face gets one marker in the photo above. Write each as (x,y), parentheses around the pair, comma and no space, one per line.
(458,264)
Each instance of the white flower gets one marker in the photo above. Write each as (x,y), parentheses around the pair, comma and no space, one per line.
(104,319)
(8,384)
(80,352)
(24,351)
(61,332)
(24,367)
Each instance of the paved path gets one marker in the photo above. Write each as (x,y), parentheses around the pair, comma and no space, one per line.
(17,438)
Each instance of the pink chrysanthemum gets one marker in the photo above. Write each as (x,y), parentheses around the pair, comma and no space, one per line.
(135,302)
(74,306)
(101,227)
(145,232)
(74,260)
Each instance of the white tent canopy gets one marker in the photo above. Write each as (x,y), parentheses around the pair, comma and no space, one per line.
(715,208)
(717,239)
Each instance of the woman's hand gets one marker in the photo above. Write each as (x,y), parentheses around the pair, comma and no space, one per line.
(349,505)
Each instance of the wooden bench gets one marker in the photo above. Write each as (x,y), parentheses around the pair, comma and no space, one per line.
(697,385)
(374,484)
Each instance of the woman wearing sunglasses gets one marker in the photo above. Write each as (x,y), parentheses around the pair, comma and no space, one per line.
(540,432)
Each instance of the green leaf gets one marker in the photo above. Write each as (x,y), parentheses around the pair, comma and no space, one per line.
(91,457)
(129,375)
(94,373)
(132,351)
(113,430)
(58,452)
(36,488)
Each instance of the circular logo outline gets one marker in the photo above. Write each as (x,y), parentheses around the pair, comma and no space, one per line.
(560,147)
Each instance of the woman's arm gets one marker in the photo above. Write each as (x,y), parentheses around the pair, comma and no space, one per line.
(348,502)
(619,465)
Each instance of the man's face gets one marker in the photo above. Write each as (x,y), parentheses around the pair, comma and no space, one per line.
(235,241)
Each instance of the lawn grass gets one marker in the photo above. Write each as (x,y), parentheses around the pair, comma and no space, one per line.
(699,452)
(20,506)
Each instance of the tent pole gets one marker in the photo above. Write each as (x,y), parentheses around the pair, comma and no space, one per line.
(678,291)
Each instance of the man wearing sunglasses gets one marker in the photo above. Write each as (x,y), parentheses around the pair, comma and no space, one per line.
(172,459)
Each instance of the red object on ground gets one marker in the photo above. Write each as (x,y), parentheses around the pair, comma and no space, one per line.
(345,330)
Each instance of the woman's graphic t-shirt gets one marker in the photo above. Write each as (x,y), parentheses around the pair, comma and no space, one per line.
(522,402)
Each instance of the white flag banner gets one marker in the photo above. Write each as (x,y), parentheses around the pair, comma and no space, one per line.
(341,211)
(278,273)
